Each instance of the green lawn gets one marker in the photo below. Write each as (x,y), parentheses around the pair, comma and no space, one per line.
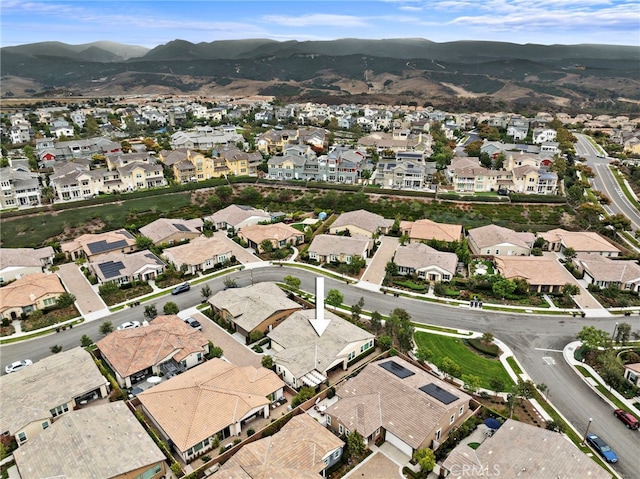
(469,362)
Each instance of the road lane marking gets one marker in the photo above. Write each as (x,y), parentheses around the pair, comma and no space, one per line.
(550,350)
(549,360)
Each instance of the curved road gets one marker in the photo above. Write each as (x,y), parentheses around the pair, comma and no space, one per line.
(605,181)
(536,341)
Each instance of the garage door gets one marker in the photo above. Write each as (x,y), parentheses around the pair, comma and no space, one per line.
(399,443)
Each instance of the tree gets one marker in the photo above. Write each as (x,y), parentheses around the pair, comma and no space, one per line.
(356,444)
(496,384)
(570,289)
(334,298)
(569,253)
(65,299)
(449,367)
(305,393)
(224,192)
(85,341)
(356,310)
(169,308)
(55,349)
(106,327)
(555,426)
(425,458)
(471,382)
(503,288)
(143,242)
(292,282)
(487,337)
(385,342)
(267,361)
(215,351)
(391,269)
(376,322)
(205,292)
(423,354)
(150,311)
(230,283)
(593,338)
(266,246)
(473,148)
(524,389)
(623,332)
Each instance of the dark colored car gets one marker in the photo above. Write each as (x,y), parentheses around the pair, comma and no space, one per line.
(181,288)
(194,323)
(627,418)
(602,448)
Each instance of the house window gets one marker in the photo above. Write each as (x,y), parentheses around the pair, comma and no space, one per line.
(22,437)
(438,432)
(461,411)
(184,363)
(340,429)
(45,424)
(452,419)
(59,410)
(149,473)
(347,432)
(497,251)
(352,355)
(49,301)
(328,420)
(199,357)
(336,454)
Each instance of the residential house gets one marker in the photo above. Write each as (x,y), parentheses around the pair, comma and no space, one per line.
(339,249)
(19,134)
(118,160)
(543,135)
(81,148)
(238,162)
(398,140)
(182,163)
(302,449)
(604,272)
(35,397)
(311,343)
(404,174)
(205,138)
(165,346)
(580,241)
(544,274)
(102,442)
(468,176)
(425,230)
(297,163)
(18,262)
(425,262)
(632,373)
(518,449)
(91,245)
(274,141)
(278,234)
(30,293)
(20,187)
(394,399)
(518,128)
(136,176)
(236,394)
(256,308)
(167,231)
(496,240)
(237,217)
(361,223)
(124,268)
(200,254)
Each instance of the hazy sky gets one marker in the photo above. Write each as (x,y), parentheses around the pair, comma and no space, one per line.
(154,22)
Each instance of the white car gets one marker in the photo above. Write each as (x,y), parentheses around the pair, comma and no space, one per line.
(17,366)
(129,325)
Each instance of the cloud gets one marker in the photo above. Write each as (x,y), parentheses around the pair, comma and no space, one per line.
(316,20)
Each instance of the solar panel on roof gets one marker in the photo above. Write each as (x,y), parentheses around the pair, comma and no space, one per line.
(180,227)
(396,369)
(442,395)
(102,246)
(111,269)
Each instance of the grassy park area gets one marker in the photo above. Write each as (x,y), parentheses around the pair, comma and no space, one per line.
(469,361)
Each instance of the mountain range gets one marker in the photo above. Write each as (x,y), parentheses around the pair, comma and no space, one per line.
(347,70)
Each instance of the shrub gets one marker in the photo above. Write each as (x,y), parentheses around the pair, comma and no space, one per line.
(250,432)
(489,349)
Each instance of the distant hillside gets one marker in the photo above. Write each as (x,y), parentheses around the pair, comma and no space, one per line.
(482,75)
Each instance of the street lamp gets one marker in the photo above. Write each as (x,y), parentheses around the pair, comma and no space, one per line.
(615,328)
(587,430)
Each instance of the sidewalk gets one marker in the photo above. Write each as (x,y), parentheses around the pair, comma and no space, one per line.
(569,357)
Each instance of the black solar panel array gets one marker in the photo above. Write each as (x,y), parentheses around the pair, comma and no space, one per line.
(102,246)
(111,269)
(396,369)
(442,395)
(180,227)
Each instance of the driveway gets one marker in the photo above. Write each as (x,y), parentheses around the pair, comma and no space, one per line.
(385,462)
(88,302)
(235,352)
(374,274)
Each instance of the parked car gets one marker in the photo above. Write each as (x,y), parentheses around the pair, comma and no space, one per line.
(129,325)
(627,418)
(194,323)
(181,288)
(602,448)
(17,366)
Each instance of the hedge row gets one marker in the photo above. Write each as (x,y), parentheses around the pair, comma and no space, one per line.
(522,198)
(489,349)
